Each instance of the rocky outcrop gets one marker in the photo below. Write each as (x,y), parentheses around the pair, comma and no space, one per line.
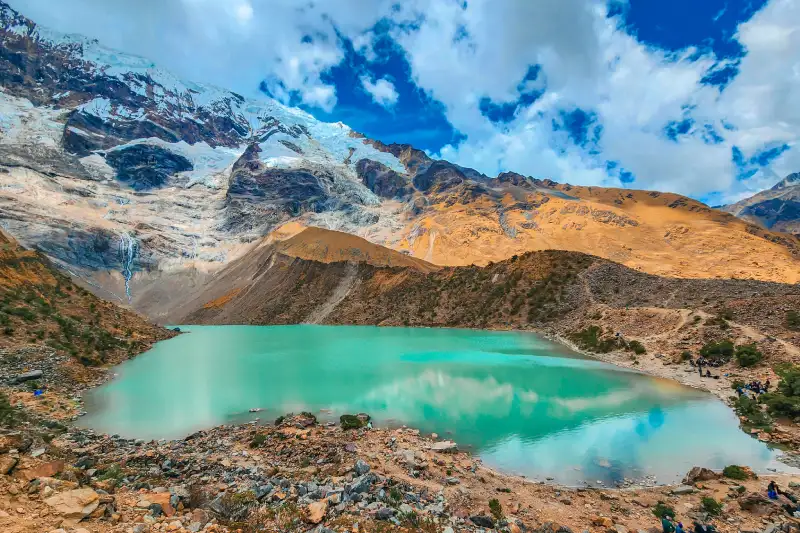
(74,505)
(382,180)
(439,176)
(145,166)
(777,208)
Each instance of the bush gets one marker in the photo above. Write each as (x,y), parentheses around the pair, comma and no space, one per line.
(711,506)
(637,347)
(279,420)
(735,472)
(351,422)
(7,418)
(686,355)
(258,440)
(722,350)
(785,401)
(496,509)
(662,510)
(793,320)
(748,355)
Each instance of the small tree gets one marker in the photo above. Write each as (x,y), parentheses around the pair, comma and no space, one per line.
(748,355)
(662,510)
(496,509)
(722,350)
(735,472)
(793,320)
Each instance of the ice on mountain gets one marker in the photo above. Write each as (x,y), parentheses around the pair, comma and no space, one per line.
(23,123)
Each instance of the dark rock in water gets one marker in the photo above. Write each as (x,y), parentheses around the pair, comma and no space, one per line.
(176,329)
(145,166)
(28,376)
(384,513)
(482,521)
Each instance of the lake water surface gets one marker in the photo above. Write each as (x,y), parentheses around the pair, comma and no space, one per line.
(523,404)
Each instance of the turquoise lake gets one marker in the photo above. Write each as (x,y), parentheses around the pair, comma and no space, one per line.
(521,403)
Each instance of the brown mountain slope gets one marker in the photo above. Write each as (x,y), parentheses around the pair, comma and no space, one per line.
(327,246)
(42,308)
(777,208)
(663,234)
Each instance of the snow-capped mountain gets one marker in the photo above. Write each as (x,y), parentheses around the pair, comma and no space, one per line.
(143,184)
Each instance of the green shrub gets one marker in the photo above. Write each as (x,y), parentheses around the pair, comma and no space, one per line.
(686,355)
(722,350)
(7,415)
(279,420)
(785,401)
(662,510)
(711,506)
(496,509)
(351,422)
(735,472)
(793,320)
(258,440)
(637,347)
(748,355)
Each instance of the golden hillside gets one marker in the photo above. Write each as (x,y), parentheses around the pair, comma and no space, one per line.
(328,246)
(659,233)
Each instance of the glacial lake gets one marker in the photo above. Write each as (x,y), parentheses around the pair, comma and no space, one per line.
(521,403)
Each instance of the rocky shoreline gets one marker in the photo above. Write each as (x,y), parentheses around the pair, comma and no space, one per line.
(299,475)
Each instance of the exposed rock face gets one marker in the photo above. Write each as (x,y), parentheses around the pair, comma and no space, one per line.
(143,166)
(440,175)
(777,208)
(74,505)
(382,180)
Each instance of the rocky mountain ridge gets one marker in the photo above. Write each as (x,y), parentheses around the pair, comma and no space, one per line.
(143,186)
(777,208)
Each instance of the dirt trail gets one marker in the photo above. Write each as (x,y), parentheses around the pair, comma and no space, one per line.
(341,291)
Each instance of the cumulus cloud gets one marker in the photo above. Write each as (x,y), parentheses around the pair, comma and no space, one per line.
(515,77)
(382,91)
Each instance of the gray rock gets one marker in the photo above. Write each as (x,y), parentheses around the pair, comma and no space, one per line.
(453,481)
(262,490)
(682,489)
(445,446)
(361,484)
(482,521)
(361,468)
(139,528)
(28,376)
(384,513)
(194,527)
(156,509)
(407,509)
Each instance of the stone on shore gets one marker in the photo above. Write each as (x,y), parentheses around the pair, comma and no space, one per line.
(315,512)
(698,473)
(74,505)
(28,376)
(445,446)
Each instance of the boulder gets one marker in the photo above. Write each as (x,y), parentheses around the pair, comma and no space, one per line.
(315,511)
(384,513)
(28,376)
(361,468)
(445,446)
(602,521)
(682,490)
(698,473)
(482,521)
(361,484)
(162,499)
(757,504)
(74,505)
(7,464)
(43,470)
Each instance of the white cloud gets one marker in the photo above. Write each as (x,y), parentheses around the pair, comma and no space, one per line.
(382,91)
(244,12)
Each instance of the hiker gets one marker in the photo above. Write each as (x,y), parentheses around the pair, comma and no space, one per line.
(703,528)
(772,490)
(766,386)
(708,373)
(679,528)
(666,524)
(700,366)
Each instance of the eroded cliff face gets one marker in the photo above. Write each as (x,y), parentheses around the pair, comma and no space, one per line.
(144,185)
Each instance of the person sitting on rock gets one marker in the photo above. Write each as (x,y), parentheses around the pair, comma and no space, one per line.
(679,528)
(666,524)
(772,490)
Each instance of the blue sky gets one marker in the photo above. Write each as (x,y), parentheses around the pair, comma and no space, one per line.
(696,97)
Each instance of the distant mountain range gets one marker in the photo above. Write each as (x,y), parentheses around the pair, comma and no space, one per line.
(147,187)
(777,208)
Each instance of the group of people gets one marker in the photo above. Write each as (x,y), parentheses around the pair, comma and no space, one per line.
(702,361)
(668,525)
(755,386)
